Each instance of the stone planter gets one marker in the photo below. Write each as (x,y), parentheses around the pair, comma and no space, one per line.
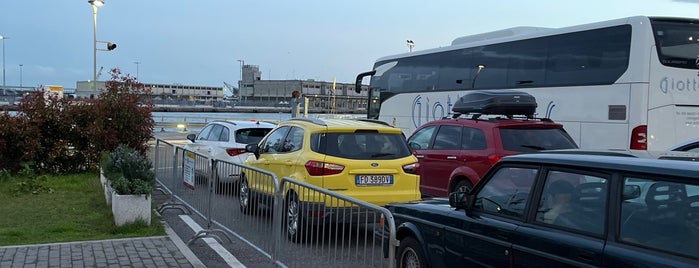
(130,208)
(106,186)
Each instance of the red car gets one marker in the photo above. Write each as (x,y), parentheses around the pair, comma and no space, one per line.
(455,153)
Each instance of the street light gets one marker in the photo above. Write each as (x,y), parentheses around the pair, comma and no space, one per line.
(137,63)
(411,44)
(95,4)
(3,59)
(20,75)
(242,63)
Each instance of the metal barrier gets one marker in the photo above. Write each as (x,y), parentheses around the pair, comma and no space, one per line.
(294,224)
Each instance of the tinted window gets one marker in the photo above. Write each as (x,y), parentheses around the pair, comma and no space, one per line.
(670,209)
(676,42)
(250,135)
(574,201)
(422,137)
(592,57)
(473,139)
(531,140)
(225,134)
(448,138)
(361,145)
(507,192)
(274,141)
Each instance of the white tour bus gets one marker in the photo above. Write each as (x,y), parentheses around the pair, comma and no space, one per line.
(629,83)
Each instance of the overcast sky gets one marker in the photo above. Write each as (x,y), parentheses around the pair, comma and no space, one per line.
(200,42)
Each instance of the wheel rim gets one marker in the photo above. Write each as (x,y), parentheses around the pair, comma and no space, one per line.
(409,259)
(244,195)
(292,215)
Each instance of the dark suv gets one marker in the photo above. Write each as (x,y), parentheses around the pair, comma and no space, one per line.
(454,153)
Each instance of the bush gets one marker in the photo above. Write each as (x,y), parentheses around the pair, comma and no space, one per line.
(68,135)
(128,171)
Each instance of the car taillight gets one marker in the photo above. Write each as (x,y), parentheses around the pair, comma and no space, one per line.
(494,158)
(639,138)
(235,151)
(413,168)
(316,168)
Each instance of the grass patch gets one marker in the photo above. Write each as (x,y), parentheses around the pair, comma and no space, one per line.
(74,209)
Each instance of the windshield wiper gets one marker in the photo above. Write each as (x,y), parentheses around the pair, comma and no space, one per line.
(380,155)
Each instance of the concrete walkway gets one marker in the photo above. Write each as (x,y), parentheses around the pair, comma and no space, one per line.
(156,251)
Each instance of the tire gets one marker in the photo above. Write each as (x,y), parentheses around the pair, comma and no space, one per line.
(410,255)
(294,222)
(245,197)
(464,185)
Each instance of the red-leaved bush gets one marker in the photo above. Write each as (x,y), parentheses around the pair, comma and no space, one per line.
(68,135)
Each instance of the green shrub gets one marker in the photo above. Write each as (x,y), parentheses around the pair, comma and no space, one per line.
(128,171)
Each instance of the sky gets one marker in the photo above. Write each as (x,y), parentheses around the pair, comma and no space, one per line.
(203,42)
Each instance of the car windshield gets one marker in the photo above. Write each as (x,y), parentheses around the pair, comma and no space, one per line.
(531,140)
(251,135)
(364,145)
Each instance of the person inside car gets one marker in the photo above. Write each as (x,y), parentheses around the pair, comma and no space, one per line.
(559,193)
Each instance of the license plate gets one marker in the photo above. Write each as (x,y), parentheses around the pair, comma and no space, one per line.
(365,180)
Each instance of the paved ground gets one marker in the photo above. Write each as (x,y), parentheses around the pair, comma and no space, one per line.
(157,251)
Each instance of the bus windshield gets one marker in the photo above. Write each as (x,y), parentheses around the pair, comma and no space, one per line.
(677,42)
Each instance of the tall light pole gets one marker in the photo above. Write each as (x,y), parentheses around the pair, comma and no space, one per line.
(3,59)
(95,4)
(137,63)
(20,75)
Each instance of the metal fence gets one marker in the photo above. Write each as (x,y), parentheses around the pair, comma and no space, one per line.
(293,223)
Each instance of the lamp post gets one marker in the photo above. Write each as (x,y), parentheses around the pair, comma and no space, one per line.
(20,75)
(95,4)
(2,37)
(411,44)
(137,63)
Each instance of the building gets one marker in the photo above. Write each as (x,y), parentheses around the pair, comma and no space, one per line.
(163,91)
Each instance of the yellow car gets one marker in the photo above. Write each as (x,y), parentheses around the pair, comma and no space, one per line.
(364,159)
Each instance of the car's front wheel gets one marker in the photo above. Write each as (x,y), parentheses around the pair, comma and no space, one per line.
(247,204)
(410,254)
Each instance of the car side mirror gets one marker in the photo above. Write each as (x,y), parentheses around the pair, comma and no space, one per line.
(253,148)
(631,192)
(461,200)
(192,137)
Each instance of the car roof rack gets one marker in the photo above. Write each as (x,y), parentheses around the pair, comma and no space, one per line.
(373,121)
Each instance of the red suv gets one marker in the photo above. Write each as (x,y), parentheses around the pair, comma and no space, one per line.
(455,153)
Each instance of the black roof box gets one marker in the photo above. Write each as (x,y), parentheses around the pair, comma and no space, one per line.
(503,102)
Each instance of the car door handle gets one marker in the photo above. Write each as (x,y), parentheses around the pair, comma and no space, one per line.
(288,162)
(451,157)
(420,156)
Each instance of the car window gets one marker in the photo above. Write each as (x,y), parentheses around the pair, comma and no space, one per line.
(422,137)
(250,135)
(574,201)
(364,145)
(507,192)
(204,133)
(273,142)
(473,139)
(531,140)
(670,209)
(448,138)
(225,135)
(215,133)
(293,141)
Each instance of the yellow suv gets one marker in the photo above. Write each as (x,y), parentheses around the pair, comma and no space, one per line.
(365,159)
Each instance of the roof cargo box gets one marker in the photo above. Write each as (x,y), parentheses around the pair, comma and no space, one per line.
(503,102)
